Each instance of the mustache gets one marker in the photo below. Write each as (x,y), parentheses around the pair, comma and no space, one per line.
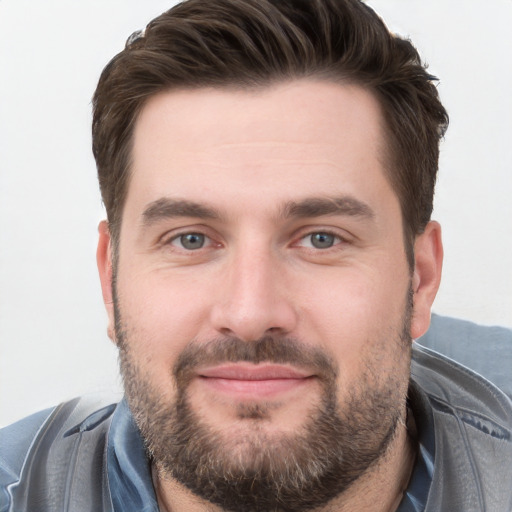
(268,349)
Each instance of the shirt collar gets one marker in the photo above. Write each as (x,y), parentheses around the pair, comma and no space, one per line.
(416,495)
(128,468)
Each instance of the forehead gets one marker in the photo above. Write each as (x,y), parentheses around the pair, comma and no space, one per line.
(283,139)
(299,110)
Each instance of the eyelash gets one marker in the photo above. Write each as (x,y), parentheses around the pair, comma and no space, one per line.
(169,240)
(209,241)
(338,239)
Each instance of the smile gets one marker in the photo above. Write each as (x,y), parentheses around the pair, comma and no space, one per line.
(253,381)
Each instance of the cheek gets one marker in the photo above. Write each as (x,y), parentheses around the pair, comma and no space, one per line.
(355,298)
(354,314)
(160,315)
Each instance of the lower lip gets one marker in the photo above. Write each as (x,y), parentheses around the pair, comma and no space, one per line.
(254,388)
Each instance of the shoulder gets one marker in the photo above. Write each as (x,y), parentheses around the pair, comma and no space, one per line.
(472,429)
(446,381)
(36,447)
(487,350)
(15,442)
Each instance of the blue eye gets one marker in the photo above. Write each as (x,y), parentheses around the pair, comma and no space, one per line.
(191,241)
(322,240)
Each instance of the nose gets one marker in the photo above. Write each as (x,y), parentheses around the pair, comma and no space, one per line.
(254,300)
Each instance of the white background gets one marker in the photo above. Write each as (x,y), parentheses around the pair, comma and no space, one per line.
(53,342)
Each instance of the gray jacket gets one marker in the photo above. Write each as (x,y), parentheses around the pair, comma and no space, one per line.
(87,456)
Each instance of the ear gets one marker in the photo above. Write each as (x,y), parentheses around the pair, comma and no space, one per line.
(104,262)
(428,262)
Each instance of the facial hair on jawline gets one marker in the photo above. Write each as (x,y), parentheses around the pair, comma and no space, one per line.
(251,470)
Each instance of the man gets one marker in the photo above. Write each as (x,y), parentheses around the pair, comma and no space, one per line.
(268,171)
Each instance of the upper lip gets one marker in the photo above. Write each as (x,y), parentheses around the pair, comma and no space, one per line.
(247,371)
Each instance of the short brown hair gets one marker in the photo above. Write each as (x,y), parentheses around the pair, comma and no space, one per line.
(254,43)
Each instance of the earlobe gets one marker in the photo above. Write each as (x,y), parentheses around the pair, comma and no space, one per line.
(105,269)
(428,257)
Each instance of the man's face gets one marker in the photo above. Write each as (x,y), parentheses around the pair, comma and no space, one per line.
(262,286)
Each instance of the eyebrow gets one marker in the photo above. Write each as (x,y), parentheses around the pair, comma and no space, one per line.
(166,208)
(319,206)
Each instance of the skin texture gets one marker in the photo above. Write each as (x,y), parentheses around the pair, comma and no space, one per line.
(303,244)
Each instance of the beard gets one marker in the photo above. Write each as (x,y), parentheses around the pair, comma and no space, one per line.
(250,468)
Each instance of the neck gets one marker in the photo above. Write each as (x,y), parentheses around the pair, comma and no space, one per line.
(379,490)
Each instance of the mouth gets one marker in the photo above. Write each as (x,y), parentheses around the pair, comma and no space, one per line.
(250,381)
